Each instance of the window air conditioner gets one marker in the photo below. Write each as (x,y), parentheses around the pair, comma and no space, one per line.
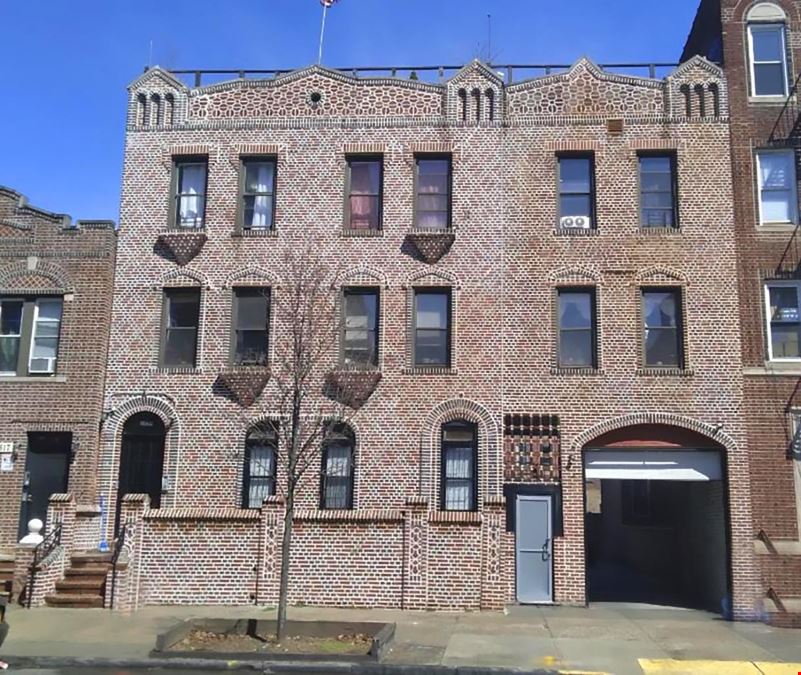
(43,365)
(575,222)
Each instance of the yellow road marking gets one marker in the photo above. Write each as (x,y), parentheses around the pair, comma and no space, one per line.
(673,667)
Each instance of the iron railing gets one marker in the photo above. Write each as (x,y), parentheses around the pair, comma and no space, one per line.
(786,128)
(119,545)
(427,73)
(49,544)
(788,266)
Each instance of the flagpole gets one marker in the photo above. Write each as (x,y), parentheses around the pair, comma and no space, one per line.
(322,35)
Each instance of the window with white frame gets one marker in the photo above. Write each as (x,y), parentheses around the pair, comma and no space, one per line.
(768,59)
(30,329)
(778,200)
(783,320)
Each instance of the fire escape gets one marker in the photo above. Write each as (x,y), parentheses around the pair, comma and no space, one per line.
(786,133)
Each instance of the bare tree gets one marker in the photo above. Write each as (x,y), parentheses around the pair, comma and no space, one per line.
(307,326)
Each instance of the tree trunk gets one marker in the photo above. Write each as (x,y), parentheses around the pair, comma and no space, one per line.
(286,548)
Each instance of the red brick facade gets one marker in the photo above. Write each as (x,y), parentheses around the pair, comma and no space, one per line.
(45,254)
(771,389)
(503,260)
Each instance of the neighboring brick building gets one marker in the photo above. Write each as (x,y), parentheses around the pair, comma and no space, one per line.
(759,45)
(539,276)
(56,284)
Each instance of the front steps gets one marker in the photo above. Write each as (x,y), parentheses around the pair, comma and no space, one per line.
(84,583)
(6,577)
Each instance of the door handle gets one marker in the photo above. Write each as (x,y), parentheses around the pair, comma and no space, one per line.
(546,552)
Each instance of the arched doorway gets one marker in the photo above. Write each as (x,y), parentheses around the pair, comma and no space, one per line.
(141,458)
(656,518)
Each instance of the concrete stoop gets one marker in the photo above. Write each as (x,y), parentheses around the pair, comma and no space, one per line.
(84,583)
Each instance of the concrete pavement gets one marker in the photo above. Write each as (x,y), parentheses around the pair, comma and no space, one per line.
(604,638)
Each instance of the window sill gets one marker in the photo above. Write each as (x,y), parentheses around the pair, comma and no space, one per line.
(27,379)
(349,233)
(776,368)
(665,372)
(432,230)
(172,229)
(767,100)
(581,372)
(456,517)
(656,231)
(429,370)
(177,371)
(254,234)
(772,228)
(576,232)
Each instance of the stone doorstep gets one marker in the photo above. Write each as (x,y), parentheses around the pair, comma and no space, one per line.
(74,600)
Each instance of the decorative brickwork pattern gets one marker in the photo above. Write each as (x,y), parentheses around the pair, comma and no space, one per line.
(431,246)
(183,246)
(352,387)
(244,384)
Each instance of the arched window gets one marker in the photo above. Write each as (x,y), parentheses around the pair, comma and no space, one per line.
(155,110)
(459,466)
(141,110)
(463,105)
(767,50)
(700,94)
(714,90)
(490,94)
(169,110)
(477,104)
(336,490)
(261,448)
(685,92)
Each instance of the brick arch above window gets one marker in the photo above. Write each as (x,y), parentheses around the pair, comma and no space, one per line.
(712,432)
(362,276)
(489,466)
(775,11)
(252,276)
(183,277)
(659,275)
(575,276)
(426,277)
(34,276)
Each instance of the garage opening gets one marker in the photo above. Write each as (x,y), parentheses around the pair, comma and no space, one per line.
(655,523)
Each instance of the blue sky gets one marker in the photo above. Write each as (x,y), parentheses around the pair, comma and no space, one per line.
(65,65)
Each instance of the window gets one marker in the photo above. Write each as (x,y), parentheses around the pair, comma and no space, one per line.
(661,308)
(365,181)
(432,327)
(778,202)
(459,466)
(251,320)
(433,188)
(577,328)
(768,57)
(29,335)
(337,475)
(261,449)
(784,320)
(189,188)
(658,207)
(257,194)
(576,192)
(360,327)
(180,327)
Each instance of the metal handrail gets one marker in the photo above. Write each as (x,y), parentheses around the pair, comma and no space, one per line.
(786,108)
(43,549)
(393,71)
(119,544)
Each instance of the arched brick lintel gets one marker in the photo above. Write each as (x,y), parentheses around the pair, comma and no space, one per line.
(40,268)
(713,433)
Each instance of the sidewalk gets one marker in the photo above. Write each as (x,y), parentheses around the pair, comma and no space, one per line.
(604,638)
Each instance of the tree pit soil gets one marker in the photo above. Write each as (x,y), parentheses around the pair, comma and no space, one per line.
(207,641)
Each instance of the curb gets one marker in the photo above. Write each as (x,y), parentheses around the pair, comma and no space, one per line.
(267,667)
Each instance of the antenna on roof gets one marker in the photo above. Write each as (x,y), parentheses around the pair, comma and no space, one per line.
(489,38)
(150,55)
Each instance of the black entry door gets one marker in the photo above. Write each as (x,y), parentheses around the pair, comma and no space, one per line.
(46,473)
(141,459)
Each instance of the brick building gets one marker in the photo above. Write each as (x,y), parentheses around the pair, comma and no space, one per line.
(537,285)
(56,282)
(759,45)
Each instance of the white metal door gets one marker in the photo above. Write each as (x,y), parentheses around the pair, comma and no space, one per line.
(534,546)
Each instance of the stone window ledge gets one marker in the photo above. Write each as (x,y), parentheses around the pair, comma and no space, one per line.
(365,233)
(657,231)
(178,371)
(427,370)
(175,229)
(776,228)
(14,379)
(576,232)
(665,372)
(767,100)
(776,369)
(455,517)
(269,233)
(348,516)
(581,372)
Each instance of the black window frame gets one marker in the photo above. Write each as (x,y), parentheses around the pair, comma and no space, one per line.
(592,292)
(247,476)
(242,193)
(168,294)
(444,480)
(678,293)
(343,430)
(237,293)
(433,290)
(672,156)
(343,360)
(27,333)
(349,161)
(590,157)
(178,164)
(422,157)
